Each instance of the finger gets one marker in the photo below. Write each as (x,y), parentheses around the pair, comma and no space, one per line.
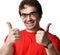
(47,28)
(17,36)
(16,31)
(9,25)
(17,39)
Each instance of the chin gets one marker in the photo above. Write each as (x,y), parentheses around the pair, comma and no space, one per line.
(31,28)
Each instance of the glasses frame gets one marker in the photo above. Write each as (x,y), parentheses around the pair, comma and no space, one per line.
(31,14)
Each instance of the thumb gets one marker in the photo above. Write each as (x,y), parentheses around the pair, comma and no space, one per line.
(47,28)
(9,25)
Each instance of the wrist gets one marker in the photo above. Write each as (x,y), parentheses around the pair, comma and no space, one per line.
(49,45)
(8,44)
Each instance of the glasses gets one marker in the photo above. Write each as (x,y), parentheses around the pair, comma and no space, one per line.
(32,14)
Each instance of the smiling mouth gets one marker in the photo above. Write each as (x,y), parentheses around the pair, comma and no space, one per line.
(30,23)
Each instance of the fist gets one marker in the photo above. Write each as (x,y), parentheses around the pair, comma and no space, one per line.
(42,36)
(14,34)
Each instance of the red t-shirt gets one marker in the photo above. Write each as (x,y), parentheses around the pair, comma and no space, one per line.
(27,44)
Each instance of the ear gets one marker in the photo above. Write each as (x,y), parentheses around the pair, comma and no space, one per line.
(40,16)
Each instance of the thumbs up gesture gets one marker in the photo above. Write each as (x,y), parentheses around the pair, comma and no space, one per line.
(42,36)
(14,34)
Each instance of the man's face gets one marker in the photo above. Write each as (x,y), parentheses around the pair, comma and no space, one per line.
(30,17)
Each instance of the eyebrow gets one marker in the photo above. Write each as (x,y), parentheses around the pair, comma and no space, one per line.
(29,13)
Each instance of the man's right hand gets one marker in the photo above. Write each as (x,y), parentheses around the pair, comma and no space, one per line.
(13,36)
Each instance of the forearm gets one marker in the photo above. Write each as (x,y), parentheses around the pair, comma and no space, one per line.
(52,51)
(6,50)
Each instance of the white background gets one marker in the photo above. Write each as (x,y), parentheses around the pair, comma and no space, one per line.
(9,13)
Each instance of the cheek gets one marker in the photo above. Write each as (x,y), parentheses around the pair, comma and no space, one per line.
(37,20)
(24,21)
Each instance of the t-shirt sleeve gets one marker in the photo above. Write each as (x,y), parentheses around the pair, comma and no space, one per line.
(55,41)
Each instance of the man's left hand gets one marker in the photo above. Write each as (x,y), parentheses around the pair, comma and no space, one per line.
(42,36)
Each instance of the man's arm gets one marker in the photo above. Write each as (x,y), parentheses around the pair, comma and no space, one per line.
(52,51)
(13,36)
(53,47)
(6,50)
(42,38)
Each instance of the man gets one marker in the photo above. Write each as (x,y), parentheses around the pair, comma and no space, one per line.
(33,40)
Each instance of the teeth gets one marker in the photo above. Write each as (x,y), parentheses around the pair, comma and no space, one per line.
(30,22)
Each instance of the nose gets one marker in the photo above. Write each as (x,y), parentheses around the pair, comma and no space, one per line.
(29,17)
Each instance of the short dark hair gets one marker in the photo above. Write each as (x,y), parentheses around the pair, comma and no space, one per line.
(34,3)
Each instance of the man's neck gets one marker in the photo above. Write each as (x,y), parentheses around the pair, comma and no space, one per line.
(33,30)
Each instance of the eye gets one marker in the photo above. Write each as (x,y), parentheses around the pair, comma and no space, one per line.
(23,15)
(34,13)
